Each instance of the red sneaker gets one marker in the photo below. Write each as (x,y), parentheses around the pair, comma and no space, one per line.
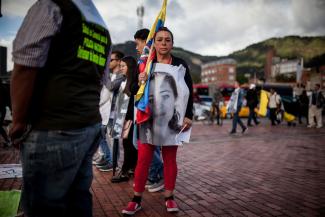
(132,208)
(171,206)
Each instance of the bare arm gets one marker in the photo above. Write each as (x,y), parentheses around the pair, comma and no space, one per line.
(21,91)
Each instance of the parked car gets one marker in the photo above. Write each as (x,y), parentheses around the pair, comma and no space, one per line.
(202,106)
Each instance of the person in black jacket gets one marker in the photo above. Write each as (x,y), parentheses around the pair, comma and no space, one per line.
(252,101)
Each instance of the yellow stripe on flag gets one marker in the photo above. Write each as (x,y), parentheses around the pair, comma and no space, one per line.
(161,16)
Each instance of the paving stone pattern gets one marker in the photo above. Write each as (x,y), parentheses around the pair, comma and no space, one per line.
(269,171)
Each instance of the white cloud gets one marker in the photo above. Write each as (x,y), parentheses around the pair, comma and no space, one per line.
(207,27)
(17,8)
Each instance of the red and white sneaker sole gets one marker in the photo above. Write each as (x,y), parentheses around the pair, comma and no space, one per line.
(172,209)
(131,212)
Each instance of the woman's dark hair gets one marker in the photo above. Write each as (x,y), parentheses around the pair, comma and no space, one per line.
(173,123)
(131,73)
(163,28)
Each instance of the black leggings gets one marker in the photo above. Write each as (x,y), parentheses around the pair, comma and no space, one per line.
(130,153)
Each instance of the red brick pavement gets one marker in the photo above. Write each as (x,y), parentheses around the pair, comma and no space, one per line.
(270,171)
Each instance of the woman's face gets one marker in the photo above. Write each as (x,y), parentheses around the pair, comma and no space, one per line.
(162,100)
(163,42)
(123,67)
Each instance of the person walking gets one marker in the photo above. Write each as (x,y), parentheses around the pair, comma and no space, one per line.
(304,106)
(316,104)
(296,94)
(274,106)
(55,88)
(218,100)
(252,102)
(155,180)
(163,44)
(234,106)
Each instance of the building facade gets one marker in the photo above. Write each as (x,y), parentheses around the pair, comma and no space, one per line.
(219,72)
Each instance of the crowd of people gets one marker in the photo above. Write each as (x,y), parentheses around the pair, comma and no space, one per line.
(72,102)
(303,103)
(68,100)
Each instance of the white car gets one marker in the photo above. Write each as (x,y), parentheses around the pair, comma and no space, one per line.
(200,108)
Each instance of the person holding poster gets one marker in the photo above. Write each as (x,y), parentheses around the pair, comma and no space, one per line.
(125,115)
(171,104)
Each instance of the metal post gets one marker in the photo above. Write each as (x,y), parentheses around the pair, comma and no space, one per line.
(115,153)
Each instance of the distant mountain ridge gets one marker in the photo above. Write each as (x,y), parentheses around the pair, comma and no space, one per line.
(252,58)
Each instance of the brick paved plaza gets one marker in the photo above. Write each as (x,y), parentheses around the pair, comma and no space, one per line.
(270,171)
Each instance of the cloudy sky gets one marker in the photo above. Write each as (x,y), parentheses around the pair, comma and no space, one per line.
(207,27)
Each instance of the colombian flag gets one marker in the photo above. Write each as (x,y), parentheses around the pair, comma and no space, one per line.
(145,65)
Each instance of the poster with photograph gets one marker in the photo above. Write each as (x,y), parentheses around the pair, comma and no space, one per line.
(168,97)
(122,102)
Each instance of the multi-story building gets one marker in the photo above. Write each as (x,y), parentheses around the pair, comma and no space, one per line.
(289,68)
(219,72)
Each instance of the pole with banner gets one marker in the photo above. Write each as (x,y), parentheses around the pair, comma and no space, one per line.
(145,66)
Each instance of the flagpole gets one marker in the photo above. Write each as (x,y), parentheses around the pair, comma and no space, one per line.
(145,66)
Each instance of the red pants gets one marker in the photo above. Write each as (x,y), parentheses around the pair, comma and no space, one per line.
(145,153)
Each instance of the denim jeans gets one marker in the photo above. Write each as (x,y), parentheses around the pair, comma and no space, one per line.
(156,169)
(57,172)
(236,119)
(103,145)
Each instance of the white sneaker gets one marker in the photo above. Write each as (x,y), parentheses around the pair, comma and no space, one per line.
(310,126)
(157,186)
(319,127)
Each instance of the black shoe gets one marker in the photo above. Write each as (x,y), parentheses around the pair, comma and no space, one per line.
(131,172)
(121,177)
(232,132)
(105,168)
(257,123)
(244,130)
(250,125)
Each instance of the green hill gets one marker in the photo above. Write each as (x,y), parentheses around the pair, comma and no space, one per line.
(252,58)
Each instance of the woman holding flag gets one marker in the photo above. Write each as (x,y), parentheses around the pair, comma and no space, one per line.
(163,43)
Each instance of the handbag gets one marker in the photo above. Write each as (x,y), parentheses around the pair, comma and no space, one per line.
(126,128)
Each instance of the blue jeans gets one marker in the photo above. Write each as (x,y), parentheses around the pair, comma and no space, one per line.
(103,145)
(156,169)
(57,172)
(236,119)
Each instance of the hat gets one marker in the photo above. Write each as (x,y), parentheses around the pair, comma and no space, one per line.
(252,86)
